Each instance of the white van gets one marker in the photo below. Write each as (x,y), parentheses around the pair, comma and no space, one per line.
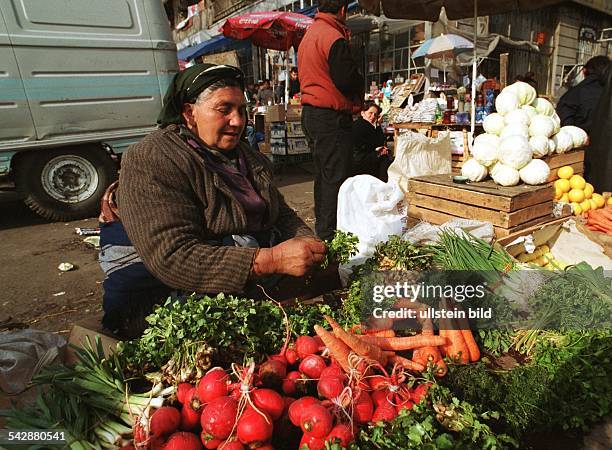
(80,81)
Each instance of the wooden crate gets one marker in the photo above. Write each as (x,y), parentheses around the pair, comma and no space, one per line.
(574,158)
(437,199)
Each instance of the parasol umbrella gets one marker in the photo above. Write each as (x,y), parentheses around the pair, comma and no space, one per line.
(443,46)
(455,9)
(275,30)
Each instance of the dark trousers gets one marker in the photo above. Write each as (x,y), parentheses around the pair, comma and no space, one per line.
(372,164)
(330,140)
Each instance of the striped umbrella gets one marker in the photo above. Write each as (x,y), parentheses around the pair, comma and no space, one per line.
(443,46)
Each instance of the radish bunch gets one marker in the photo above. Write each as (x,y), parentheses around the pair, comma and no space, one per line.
(299,397)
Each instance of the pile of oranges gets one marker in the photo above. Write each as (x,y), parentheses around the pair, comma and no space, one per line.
(574,189)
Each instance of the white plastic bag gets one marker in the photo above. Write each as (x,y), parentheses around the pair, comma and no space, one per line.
(372,210)
(417,155)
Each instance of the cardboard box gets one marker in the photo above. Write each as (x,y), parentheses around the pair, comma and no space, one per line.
(296,146)
(294,130)
(294,113)
(89,328)
(275,113)
(567,242)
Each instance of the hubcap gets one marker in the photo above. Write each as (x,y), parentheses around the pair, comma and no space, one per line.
(69,179)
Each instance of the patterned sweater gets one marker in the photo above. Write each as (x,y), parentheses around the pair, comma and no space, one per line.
(171,204)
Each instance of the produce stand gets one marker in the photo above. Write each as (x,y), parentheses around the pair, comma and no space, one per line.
(437,199)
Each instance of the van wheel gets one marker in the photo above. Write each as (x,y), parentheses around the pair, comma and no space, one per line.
(66,184)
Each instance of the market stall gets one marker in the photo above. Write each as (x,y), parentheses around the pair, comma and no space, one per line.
(284,140)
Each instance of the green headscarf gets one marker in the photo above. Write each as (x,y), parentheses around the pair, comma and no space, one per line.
(188,84)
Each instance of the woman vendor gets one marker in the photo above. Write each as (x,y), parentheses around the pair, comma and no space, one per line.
(370,154)
(196,209)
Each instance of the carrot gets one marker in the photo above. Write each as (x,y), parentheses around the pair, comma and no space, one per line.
(359,329)
(468,337)
(337,348)
(456,349)
(403,343)
(380,333)
(430,354)
(362,348)
(407,363)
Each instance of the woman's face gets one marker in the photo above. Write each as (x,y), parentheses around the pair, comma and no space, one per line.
(370,114)
(219,119)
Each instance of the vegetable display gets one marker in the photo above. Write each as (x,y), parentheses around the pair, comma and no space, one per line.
(516,134)
(230,373)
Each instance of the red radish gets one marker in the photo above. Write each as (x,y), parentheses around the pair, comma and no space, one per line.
(254,428)
(128,447)
(140,433)
(280,358)
(192,400)
(269,401)
(384,413)
(306,345)
(333,371)
(312,366)
(341,434)
(330,387)
(404,404)
(380,397)
(316,420)
(319,343)
(363,408)
(378,382)
(289,387)
(209,442)
(272,372)
(288,401)
(165,421)
(181,391)
(297,408)
(313,443)
(231,444)
(157,443)
(291,356)
(183,441)
(213,385)
(419,392)
(190,419)
(219,416)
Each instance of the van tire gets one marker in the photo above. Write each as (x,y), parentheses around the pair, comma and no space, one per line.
(65,184)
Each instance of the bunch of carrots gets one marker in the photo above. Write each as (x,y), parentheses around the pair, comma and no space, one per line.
(455,341)
(600,219)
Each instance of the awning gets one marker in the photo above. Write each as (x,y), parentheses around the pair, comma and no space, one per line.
(214,44)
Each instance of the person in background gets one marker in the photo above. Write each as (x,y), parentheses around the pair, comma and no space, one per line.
(196,210)
(294,82)
(265,94)
(332,88)
(599,155)
(370,154)
(577,104)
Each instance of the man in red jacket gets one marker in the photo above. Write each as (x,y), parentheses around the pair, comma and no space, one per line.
(332,87)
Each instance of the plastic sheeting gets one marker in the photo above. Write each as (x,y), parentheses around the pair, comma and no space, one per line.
(23,353)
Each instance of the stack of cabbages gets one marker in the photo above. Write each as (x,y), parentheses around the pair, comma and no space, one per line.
(523,129)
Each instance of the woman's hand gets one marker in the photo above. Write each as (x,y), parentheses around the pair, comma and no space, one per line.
(292,257)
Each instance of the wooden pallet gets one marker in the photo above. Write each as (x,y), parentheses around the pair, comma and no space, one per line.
(437,199)
(574,158)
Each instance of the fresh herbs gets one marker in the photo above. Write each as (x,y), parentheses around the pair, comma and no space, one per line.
(441,422)
(400,254)
(565,384)
(340,249)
